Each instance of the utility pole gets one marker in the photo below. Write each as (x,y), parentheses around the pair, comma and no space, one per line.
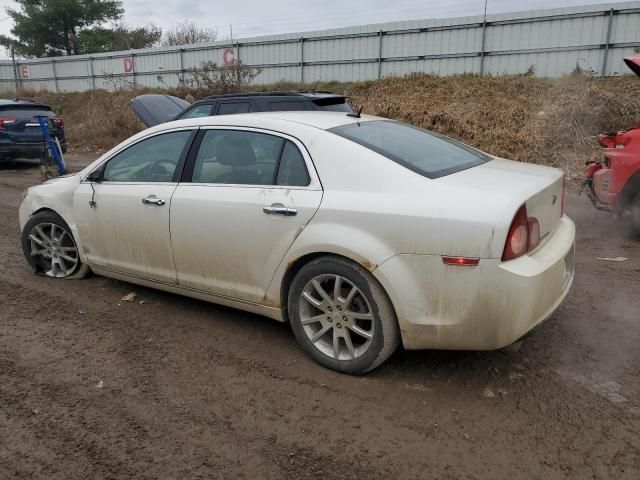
(15,69)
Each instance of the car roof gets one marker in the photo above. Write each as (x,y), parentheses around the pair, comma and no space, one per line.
(309,95)
(323,120)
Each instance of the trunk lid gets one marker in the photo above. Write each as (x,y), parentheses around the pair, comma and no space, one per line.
(633,62)
(154,109)
(514,184)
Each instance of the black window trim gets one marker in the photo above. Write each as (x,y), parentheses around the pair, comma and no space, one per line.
(187,173)
(482,157)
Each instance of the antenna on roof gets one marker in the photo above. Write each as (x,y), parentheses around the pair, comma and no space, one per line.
(355,114)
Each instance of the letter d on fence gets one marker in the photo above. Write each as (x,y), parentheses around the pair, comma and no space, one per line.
(128,65)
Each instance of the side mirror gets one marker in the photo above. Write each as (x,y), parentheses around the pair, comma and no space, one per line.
(96,175)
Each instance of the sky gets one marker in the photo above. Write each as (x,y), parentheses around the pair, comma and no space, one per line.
(264,17)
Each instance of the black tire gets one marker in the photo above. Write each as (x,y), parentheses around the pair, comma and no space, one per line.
(634,216)
(43,265)
(385,337)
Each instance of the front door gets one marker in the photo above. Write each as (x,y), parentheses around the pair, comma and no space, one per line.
(123,220)
(251,195)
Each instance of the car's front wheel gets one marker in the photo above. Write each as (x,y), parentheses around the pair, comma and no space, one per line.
(341,315)
(49,247)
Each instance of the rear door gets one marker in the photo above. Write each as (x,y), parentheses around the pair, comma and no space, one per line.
(248,195)
(20,122)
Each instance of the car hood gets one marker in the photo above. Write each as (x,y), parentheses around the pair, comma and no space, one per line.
(154,109)
(633,62)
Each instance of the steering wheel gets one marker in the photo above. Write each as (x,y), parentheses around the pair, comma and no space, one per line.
(159,171)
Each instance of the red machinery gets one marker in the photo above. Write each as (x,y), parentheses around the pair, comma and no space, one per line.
(614,183)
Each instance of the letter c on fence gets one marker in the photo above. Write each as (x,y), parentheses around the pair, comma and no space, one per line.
(229,56)
(128,65)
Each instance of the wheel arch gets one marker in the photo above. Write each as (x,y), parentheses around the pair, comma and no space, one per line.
(294,266)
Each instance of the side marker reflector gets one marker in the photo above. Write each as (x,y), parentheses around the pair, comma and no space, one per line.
(461,261)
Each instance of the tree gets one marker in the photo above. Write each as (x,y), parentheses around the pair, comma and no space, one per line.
(120,37)
(188,33)
(52,27)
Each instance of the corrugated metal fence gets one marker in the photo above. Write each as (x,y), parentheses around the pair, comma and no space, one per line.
(552,42)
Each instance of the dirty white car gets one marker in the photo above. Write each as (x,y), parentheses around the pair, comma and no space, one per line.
(363,233)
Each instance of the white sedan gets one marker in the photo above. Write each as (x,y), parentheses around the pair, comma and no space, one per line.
(362,233)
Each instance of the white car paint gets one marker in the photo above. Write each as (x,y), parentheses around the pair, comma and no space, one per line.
(214,242)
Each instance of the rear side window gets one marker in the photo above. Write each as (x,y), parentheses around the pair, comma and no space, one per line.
(289,106)
(292,170)
(25,112)
(231,108)
(248,158)
(422,151)
(197,111)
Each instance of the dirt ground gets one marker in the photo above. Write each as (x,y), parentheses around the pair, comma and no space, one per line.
(93,387)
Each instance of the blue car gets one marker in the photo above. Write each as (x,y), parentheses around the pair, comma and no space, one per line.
(20,132)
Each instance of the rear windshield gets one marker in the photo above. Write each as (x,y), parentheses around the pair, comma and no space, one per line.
(335,107)
(25,112)
(422,151)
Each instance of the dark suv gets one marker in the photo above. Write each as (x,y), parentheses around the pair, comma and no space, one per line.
(20,132)
(155,109)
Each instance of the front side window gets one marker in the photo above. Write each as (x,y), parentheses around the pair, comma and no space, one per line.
(422,151)
(196,112)
(248,158)
(154,159)
(235,107)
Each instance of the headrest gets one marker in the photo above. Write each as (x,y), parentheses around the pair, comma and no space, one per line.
(235,152)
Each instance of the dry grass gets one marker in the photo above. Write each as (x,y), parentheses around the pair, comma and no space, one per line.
(519,117)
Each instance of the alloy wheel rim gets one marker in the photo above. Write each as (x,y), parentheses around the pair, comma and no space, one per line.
(55,250)
(336,317)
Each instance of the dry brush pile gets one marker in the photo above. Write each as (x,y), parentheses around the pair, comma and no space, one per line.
(548,121)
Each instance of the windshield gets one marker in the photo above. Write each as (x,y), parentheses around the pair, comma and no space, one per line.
(335,107)
(422,151)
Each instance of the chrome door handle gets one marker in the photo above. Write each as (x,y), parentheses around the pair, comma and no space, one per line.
(153,200)
(279,209)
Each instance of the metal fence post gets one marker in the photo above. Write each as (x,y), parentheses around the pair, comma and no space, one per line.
(55,75)
(603,70)
(380,54)
(301,60)
(484,39)
(93,78)
(181,59)
(133,69)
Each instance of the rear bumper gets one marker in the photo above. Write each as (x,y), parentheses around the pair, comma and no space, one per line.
(25,150)
(478,308)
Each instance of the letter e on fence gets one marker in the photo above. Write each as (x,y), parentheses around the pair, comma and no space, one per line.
(229,56)
(128,65)
(24,71)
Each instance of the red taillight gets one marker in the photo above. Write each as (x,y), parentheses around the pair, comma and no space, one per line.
(519,232)
(59,121)
(4,121)
(461,261)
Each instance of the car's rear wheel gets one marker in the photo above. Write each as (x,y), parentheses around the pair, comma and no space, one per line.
(341,315)
(49,247)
